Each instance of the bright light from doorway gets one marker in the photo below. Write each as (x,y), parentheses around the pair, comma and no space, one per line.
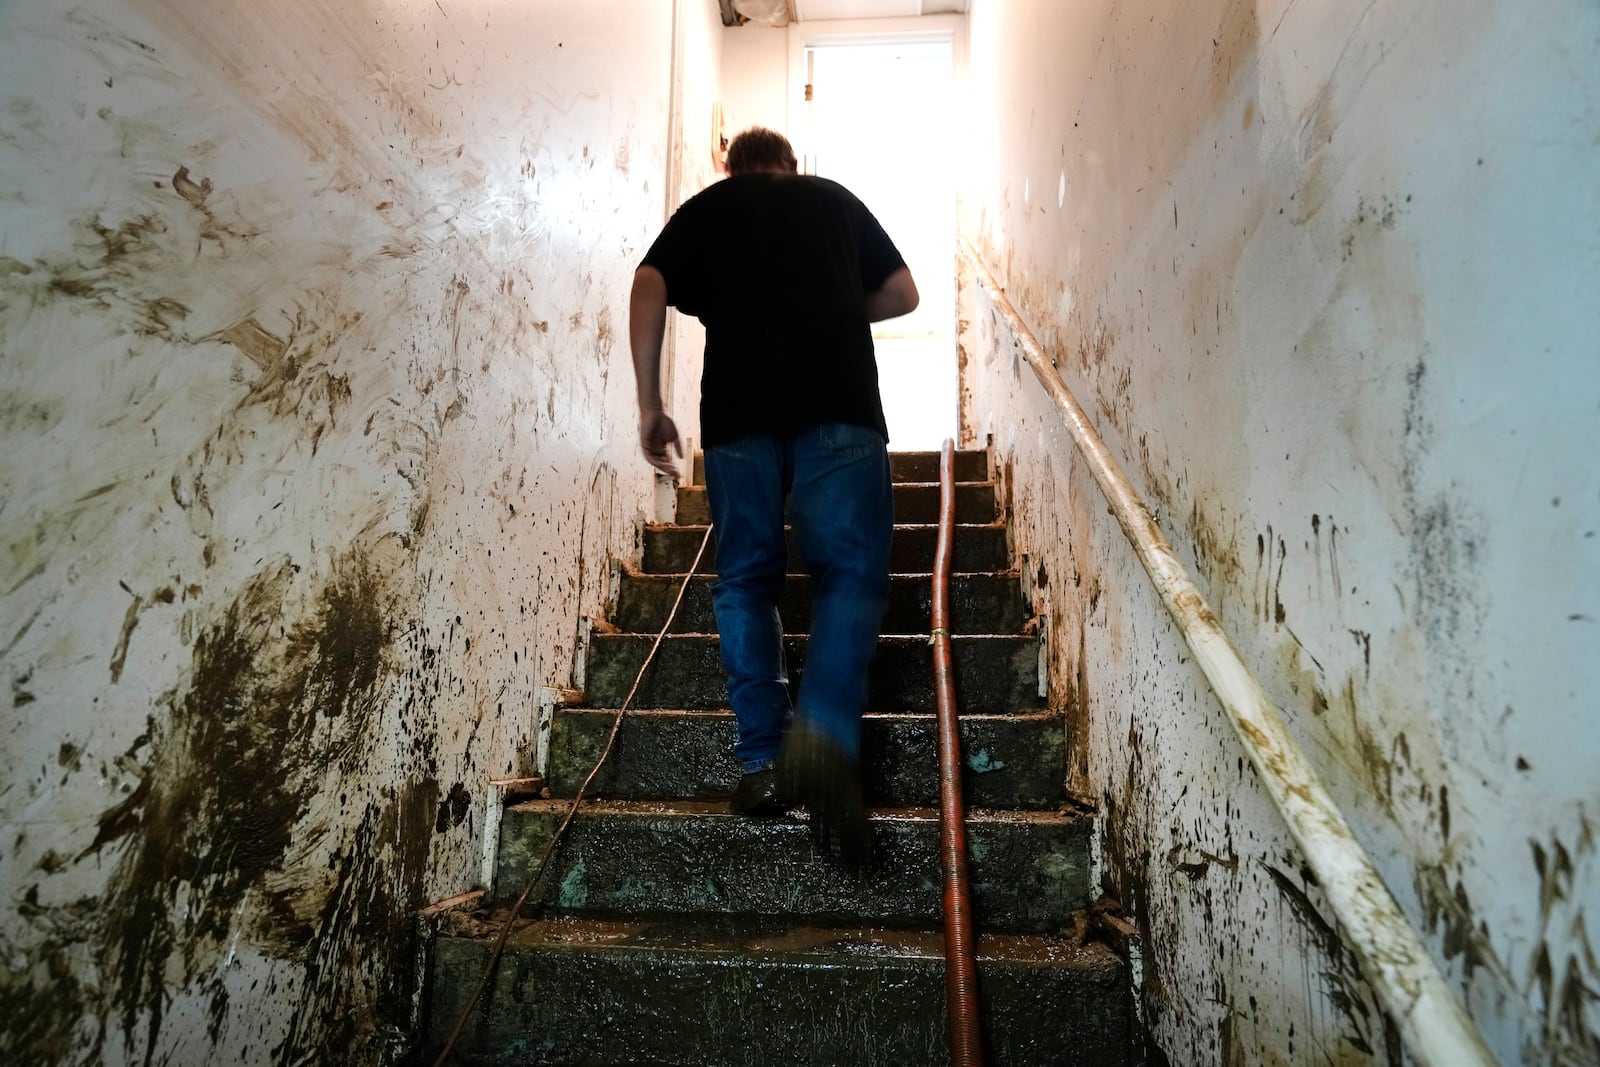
(881,117)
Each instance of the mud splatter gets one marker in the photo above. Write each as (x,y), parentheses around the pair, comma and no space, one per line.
(1216,554)
(1448,909)
(1567,976)
(45,1006)
(259,345)
(1233,50)
(191,191)
(226,779)
(1346,989)
(119,654)
(347,1003)
(295,379)
(161,316)
(1128,853)
(453,810)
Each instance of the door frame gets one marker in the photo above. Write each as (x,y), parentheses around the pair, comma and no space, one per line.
(805,35)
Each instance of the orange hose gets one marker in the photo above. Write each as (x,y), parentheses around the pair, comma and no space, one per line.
(961,968)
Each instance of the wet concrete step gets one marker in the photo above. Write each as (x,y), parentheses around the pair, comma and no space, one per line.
(573,991)
(978,547)
(1030,870)
(1012,761)
(914,502)
(972,465)
(994,673)
(979,604)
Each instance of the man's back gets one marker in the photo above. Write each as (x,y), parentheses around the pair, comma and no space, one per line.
(787,273)
(778,267)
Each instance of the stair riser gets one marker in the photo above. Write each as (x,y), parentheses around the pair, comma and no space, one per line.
(671,549)
(637,1005)
(912,504)
(994,675)
(1027,874)
(1011,761)
(972,465)
(979,604)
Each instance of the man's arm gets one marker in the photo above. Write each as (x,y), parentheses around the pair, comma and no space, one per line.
(647,325)
(897,296)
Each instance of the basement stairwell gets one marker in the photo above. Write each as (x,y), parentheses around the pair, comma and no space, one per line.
(667,930)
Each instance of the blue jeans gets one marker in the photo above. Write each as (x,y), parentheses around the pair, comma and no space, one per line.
(837,479)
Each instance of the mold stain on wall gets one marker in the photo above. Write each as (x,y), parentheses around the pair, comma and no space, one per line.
(220,841)
(303,497)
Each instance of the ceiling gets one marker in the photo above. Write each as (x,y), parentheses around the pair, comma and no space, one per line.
(780,12)
(817,10)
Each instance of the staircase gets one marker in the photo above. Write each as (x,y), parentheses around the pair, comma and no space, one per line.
(670,931)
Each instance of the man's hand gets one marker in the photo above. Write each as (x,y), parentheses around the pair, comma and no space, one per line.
(657,432)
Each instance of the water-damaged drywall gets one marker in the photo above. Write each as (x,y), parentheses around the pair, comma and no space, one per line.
(1324,276)
(318,434)
(694,166)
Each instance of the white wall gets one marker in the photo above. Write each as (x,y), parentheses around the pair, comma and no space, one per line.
(318,435)
(755,78)
(1324,275)
(695,160)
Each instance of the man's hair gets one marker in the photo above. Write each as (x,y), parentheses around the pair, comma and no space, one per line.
(759,149)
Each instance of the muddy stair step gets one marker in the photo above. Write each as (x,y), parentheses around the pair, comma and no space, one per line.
(979,603)
(971,465)
(775,994)
(670,549)
(1029,870)
(1010,761)
(914,502)
(993,673)
(669,930)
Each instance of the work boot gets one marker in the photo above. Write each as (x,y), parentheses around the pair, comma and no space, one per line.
(757,794)
(814,772)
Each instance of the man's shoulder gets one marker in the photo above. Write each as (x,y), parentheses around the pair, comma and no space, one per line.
(742,186)
(832,188)
(723,194)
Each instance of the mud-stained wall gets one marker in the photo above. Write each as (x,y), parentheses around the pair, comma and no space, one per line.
(1323,274)
(694,163)
(318,433)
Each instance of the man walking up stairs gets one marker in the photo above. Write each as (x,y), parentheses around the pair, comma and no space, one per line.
(670,929)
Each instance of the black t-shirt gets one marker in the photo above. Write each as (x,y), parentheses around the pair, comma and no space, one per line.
(778,267)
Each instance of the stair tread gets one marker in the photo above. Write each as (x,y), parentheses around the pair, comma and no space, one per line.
(630,571)
(1065,815)
(980,601)
(895,638)
(1029,715)
(993,672)
(1009,759)
(601,991)
(671,548)
(773,938)
(1029,869)
(920,463)
(701,527)
(921,483)
(975,502)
